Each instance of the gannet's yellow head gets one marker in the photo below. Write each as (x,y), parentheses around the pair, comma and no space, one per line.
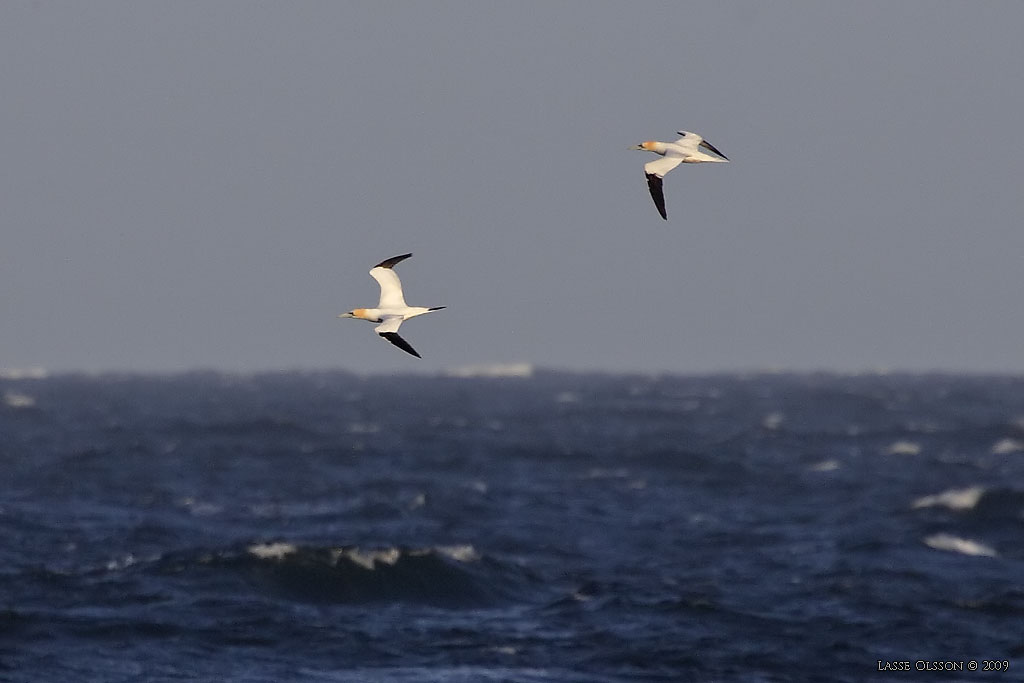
(355,313)
(647,146)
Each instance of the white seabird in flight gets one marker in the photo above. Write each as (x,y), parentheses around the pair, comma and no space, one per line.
(685,150)
(392,310)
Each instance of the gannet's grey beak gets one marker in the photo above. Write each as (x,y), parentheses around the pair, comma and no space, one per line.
(346,315)
(636,147)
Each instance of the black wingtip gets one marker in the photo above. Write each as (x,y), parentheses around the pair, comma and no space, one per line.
(711,147)
(390,263)
(654,185)
(399,342)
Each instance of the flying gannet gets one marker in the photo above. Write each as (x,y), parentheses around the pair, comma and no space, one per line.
(392,310)
(685,150)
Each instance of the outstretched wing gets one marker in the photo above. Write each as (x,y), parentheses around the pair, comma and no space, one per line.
(661,166)
(390,286)
(704,144)
(393,261)
(689,141)
(692,144)
(655,171)
(389,330)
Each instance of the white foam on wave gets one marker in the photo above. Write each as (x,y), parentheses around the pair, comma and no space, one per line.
(368,559)
(903,448)
(955,544)
(825,466)
(459,553)
(493,370)
(772,421)
(954,499)
(272,551)
(13,399)
(1004,446)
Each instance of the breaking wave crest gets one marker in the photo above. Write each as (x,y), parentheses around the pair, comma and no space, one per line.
(441,576)
(978,502)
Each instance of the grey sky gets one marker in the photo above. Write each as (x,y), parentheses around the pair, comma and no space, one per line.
(206,184)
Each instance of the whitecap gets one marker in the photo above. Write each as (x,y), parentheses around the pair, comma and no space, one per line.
(368,559)
(772,421)
(954,499)
(825,466)
(964,546)
(459,553)
(903,448)
(1004,446)
(272,551)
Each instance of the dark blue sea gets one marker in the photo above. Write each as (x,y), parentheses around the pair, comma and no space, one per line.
(550,527)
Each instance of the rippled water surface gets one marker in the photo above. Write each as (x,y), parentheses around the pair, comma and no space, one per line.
(556,527)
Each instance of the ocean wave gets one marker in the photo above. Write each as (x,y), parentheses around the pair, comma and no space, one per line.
(447,576)
(964,546)
(978,502)
(903,447)
(954,499)
(1004,446)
